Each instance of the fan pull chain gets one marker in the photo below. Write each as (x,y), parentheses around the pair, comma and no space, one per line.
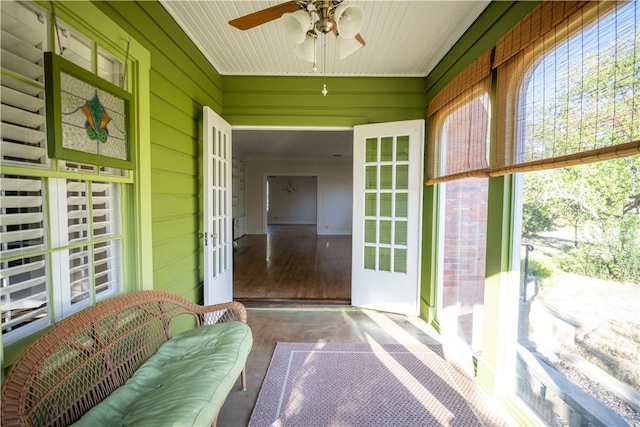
(314,67)
(324,67)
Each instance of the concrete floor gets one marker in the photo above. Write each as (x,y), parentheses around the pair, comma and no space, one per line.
(318,324)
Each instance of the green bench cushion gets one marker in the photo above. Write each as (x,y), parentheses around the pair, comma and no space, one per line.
(184,384)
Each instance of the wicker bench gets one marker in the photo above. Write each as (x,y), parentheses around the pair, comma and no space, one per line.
(118,363)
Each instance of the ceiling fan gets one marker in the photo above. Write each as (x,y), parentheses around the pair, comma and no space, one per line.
(300,26)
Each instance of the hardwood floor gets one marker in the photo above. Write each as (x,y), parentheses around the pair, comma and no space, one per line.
(293,262)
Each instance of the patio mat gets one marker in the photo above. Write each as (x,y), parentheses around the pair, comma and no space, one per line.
(309,384)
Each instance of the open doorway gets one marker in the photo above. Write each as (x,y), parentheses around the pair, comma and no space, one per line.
(297,217)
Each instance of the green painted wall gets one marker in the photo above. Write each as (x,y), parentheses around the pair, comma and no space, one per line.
(297,101)
(181,81)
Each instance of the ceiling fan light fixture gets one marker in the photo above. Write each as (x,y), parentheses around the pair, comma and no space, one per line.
(349,19)
(306,49)
(347,46)
(296,24)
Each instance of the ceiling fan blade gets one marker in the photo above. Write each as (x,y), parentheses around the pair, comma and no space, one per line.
(263,16)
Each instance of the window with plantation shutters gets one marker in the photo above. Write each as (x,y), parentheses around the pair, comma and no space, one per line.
(23,271)
(87,219)
(22,79)
(61,240)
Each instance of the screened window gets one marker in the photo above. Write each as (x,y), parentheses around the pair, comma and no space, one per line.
(61,231)
(568,91)
(459,118)
(570,95)
(462,257)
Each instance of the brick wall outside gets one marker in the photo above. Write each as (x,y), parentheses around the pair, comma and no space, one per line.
(465,220)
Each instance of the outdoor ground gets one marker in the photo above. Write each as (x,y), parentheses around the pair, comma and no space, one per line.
(607,313)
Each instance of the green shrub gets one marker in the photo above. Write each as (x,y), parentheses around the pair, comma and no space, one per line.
(544,273)
(603,263)
(535,218)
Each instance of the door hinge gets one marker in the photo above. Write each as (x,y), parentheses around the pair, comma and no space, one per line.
(203,235)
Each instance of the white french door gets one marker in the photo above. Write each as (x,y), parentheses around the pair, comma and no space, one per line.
(387,199)
(217,230)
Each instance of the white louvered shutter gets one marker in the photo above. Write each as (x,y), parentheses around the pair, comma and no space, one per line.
(22,81)
(105,205)
(23,292)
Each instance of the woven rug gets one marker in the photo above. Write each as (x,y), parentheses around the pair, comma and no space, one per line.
(309,384)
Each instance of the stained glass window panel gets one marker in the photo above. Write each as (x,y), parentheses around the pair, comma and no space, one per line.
(93,121)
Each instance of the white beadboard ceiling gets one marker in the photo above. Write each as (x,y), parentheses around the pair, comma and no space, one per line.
(403,38)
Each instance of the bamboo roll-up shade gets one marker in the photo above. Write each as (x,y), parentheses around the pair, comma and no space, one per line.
(475,72)
(480,173)
(542,20)
(459,118)
(601,154)
(572,91)
(459,136)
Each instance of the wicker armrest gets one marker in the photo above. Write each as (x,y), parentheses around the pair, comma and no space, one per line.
(219,313)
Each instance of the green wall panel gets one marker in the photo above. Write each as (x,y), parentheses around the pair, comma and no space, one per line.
(167,183)
(170,246)
(167,206)
(170,160)
(166,136)
(177,271)
(297,101)
(181,81)
(168,113)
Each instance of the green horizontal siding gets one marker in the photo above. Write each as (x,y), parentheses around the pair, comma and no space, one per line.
(167,206)
(164,135)
(171,241)
(297,101)
(181,82)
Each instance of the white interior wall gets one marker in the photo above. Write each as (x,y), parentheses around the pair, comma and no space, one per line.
(335,191)
(293,200)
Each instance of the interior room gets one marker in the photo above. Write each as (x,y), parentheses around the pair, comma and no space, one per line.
(320,212)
